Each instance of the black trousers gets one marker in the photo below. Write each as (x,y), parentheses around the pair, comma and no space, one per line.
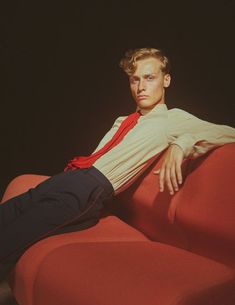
(66,202)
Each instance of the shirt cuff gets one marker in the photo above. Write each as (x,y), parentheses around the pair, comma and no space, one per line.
(186,143)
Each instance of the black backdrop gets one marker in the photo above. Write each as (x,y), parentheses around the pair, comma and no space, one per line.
(62,87)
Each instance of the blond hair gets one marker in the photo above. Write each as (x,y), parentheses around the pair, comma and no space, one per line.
(128,62)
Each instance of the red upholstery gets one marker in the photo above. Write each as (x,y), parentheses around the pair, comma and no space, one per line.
(206,207)
(109,229)
(113,263)
(200,217)
(133,273)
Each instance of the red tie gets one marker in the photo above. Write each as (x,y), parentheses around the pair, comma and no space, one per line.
(85,162)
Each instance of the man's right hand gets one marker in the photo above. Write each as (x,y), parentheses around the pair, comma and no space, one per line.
(170,172)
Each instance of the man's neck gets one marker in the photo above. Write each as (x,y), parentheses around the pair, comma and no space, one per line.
(145,111)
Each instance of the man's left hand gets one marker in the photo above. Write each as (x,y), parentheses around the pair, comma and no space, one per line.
(170,172)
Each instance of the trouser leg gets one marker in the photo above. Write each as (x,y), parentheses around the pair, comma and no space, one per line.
(48,209)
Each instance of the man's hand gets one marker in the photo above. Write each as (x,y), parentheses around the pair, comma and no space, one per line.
(170,171)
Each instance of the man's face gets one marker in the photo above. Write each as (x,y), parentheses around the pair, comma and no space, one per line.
(148,83)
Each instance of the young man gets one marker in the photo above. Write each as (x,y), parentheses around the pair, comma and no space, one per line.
(187,136)
(76,195)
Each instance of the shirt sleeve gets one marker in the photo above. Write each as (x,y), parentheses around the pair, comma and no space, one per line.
(196,136)
(108,136)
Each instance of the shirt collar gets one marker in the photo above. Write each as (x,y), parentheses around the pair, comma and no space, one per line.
(157,109)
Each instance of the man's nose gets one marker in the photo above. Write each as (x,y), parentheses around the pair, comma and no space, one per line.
(141,86)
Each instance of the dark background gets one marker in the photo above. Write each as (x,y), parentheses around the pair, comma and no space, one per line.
(62,87)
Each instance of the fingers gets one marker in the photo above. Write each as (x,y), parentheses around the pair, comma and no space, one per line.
(171,176)
(170,173)
(179,173)
(169,181)
(174,178)
(162,179)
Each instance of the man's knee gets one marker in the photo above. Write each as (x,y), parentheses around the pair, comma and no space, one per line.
(22,184)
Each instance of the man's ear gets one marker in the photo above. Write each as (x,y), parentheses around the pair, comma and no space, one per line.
(167,80)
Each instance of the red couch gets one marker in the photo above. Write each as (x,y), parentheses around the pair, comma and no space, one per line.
(149,248)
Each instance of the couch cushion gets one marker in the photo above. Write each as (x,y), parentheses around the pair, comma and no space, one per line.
(108,229)
(144,207)
(200,217)
(130,273)
(205,209)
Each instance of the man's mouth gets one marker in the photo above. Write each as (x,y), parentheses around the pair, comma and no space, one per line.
(141,97)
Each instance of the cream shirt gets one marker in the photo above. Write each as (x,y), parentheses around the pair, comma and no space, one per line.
(154,132)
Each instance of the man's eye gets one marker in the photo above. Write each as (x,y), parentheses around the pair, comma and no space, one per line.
(150,77)
(133,80)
